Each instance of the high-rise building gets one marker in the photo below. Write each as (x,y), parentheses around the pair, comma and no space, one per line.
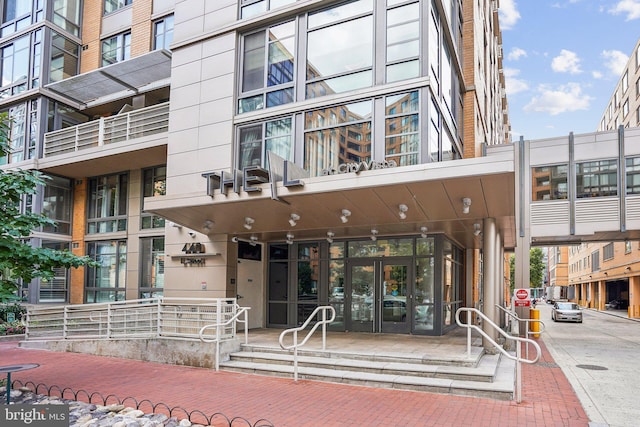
(290,153)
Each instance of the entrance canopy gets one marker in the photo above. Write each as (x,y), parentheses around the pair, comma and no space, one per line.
(432,193)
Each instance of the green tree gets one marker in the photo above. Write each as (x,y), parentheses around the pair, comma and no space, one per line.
(536,268)
(19,261)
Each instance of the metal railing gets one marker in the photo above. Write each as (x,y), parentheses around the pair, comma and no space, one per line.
(219,326)
(108,130)
(518,357)
(322,322)
(527,322)
(143,318)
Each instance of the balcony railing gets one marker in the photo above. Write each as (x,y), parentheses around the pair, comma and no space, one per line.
(108,130)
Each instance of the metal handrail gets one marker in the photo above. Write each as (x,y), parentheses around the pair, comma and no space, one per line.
(218,325)
(527,321)
(518,357)
(323,322)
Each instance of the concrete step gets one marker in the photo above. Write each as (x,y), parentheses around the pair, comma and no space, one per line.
(490,376)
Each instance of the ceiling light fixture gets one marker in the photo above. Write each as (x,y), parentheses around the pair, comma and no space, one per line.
(290,239)
(403,211)
(423,231)
(330,235)
(346,213)
(374,234)
(293,219)
(206,227)
(248,222)
(476,229)
(466,203)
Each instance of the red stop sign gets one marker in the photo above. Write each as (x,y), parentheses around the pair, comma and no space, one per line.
(522,294)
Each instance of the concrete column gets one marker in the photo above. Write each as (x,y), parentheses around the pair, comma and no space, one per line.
(490,279)
(500,278)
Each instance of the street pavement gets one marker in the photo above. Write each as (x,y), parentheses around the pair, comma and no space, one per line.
(601,360)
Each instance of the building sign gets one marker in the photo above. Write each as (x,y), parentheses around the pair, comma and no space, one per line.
(357,167)
(251,177)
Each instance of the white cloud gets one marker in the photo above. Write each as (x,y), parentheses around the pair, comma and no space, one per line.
(512,84)
(596,74)
(509,14)
(566,62)
(565,98)
(516,53)
(615,61)
(631,8)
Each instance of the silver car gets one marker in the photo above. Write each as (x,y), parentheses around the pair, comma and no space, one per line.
(566,311)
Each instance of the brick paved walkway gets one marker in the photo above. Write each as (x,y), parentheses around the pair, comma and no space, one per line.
(548,399)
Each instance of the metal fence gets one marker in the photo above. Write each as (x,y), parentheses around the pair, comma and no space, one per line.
(143,318)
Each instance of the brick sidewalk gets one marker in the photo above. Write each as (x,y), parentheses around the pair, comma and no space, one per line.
(548,399)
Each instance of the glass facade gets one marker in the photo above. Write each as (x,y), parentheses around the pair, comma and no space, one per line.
(400,284)
(151,267)
(107,281)
(116,49)
(154,183)
(107,204)
(330,51)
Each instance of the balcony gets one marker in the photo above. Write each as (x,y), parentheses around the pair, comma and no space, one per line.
(108,130)
(133,140)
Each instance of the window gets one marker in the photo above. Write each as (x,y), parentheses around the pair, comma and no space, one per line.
(17,15)
(627,247)
(595,261)
(66,14)
(625,82)
(15,66)
(116,49)
(633,175)
(64,58)
(55,289)
(154,182)
(268,68)
(107,211)
(327,143)
(256,140)
(107,281)
(607,252)
(402,139)
(113,5)
(549,183)
(251,8)
(151,267)
(57,204)
(625,108)
(596,179)
(163,33)
(17,134)
(403,42)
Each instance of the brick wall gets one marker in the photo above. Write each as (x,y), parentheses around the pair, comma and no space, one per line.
(76,288)
(91,25)
(141,28)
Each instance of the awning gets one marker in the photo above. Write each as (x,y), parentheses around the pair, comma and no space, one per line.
(116,81)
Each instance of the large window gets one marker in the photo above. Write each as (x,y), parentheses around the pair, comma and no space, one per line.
(113,5)
(549,183)
(268,68)
(163,33)
(116,49)
(402,125)
(66,14)
(336,135)
(151,267)
(57,204)
(597,179)
(55,289)
(19,14)
(107,211)
(403,42)
(256,140)
(64,58)
(154,181)
(15,66)
(249,8)
(107,281)
(633,175)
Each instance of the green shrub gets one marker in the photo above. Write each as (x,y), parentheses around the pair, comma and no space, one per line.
(19,310)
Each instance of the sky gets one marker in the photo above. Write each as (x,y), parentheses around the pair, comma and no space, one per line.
(562,61)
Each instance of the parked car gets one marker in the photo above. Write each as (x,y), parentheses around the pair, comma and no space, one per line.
(566,311)
(617,304)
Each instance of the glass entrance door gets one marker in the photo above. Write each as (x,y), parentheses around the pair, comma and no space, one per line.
(377,296)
